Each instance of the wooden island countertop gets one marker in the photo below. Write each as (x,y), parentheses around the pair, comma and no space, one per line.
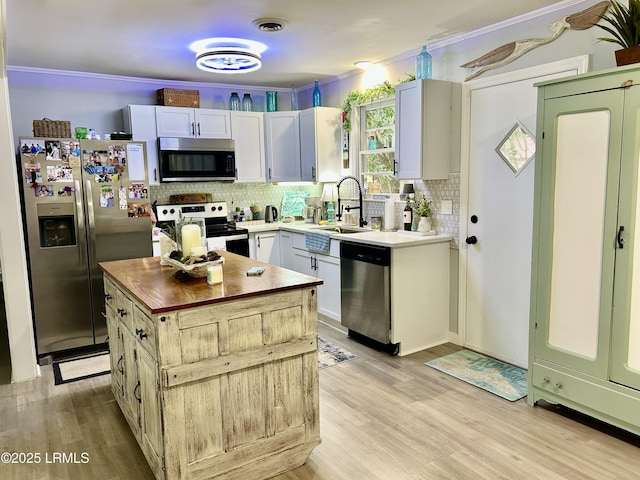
(154,286)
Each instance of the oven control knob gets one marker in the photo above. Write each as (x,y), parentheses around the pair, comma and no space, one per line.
(219,208)
(164,212)
(172,211)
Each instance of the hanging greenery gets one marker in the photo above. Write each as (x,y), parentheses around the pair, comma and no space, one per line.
(358,97)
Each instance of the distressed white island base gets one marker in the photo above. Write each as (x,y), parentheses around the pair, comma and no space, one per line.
(215,381)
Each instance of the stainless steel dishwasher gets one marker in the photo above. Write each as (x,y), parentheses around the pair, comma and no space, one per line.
(365,279)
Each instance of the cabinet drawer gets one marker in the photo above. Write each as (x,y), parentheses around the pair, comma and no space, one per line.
(298,241)
(124,307)
(110,293)
(145,331)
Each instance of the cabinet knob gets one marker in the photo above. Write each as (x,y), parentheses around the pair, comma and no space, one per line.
(472,240)
(558,385)
(107,297)
(545,380)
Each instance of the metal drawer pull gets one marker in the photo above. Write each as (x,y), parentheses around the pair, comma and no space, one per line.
(134,393)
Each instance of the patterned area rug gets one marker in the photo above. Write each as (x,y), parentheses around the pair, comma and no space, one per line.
(330,354)
(492,375)
(74,369)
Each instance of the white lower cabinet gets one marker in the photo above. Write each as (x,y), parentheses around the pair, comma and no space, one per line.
(325,267)
(285,239)
(264,247)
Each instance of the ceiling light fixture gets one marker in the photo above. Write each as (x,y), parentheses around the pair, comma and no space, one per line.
(269,24)
(363,64)
(228,55)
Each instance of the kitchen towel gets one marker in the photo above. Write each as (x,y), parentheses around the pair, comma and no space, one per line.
(389,215)
(319,242)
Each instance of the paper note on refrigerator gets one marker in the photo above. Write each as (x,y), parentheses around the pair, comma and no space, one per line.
(135,161)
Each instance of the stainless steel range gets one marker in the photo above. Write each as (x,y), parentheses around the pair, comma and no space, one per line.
(220,234)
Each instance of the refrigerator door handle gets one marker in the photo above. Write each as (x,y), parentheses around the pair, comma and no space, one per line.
(91,224)
(82,246)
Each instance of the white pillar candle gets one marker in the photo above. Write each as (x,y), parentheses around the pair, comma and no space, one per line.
(190,238)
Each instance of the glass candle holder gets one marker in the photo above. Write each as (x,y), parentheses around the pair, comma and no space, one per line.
(190,233)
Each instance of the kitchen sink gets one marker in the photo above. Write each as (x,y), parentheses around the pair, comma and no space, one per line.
(343,230)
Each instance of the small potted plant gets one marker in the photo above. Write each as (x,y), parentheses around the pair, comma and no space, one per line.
(624,28)
(422,208)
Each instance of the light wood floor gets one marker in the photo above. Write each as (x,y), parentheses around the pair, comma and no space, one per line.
(382,418)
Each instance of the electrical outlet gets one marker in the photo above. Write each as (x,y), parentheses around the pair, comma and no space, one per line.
(446,207)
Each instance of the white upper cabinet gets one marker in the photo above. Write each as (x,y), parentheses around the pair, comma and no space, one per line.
(140,121)
(320,144)
(282,141)
(192,122)
(247,131)
(424,129)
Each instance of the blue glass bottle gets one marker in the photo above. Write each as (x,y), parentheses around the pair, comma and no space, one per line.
(294,98)
(423,64)
(247,103)
(316,95)
(234,101)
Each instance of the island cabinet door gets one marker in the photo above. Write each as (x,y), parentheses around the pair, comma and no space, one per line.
(115,353)
(131,385)
(150,411)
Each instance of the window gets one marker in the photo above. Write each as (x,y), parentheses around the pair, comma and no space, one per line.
(377,144)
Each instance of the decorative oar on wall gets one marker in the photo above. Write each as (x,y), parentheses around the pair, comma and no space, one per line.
(506,54)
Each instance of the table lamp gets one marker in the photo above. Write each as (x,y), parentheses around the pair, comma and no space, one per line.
(407,191)
(330,195)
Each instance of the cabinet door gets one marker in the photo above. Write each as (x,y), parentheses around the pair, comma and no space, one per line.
(131,384)
(150,410)
(140,121)
(286,250)
(115,349)
(625,342)
(328,269)
(575,230)
(267,248)
(423,129)
(304,262)
(320,144)
(175,122)
(282,144)
(211,123)
(247,130)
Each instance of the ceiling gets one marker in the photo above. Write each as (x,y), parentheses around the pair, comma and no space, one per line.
(321,39)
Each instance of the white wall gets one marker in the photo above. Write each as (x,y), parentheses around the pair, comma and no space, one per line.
(12,250)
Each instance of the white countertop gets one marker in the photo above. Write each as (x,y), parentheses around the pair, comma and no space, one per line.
(398,238)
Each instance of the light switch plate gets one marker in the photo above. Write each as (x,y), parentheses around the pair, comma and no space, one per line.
(446,207)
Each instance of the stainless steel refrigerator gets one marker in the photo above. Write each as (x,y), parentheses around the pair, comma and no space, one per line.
(83,202)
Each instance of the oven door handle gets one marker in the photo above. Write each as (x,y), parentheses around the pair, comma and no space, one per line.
(240,236)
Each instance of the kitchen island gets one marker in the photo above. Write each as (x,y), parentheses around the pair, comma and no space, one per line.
(215,381)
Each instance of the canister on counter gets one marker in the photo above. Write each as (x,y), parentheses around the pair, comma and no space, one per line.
(214,274)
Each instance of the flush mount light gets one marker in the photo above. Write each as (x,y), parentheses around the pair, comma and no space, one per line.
(363,64)
(228,55)
(269,24)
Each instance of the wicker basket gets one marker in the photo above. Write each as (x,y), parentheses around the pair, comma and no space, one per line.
(52,128)
(197,270)
(176,97)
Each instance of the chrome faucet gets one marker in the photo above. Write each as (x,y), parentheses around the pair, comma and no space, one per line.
(339,213)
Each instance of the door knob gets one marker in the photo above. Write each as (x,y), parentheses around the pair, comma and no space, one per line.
(472,240)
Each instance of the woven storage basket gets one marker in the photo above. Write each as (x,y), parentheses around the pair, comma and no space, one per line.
(52,128)
(176,97)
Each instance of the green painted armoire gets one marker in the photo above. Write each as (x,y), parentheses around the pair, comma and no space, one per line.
(584,349)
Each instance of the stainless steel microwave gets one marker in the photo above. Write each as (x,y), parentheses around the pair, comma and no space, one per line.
(196,159)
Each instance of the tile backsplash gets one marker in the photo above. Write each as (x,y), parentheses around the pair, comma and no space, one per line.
(262,194)
(437,191)
(235,194)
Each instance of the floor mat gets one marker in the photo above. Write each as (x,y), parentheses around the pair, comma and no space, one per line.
(492,375)
(74,369)
(330,354)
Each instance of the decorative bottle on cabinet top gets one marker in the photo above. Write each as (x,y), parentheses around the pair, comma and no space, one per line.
(234,101)
(294,98)
(423,64)
(247,103)
(316,95)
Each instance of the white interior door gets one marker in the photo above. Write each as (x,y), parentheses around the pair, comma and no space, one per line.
(498,213)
